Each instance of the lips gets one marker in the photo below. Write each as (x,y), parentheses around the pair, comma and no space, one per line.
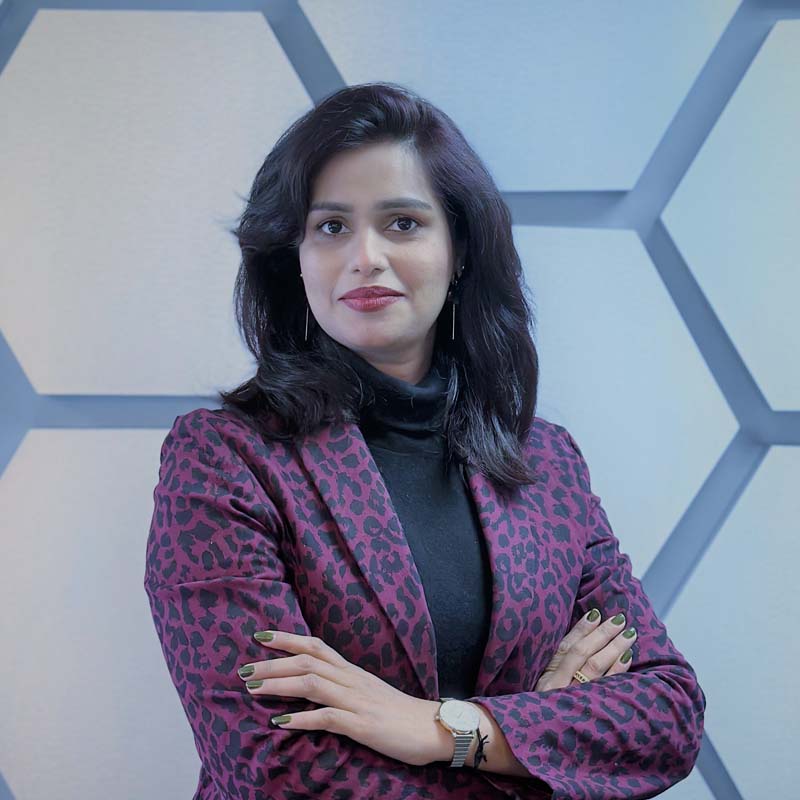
(371,291)
(372,303)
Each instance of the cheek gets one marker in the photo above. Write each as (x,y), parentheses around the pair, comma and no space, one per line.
(428,292)
(426,268)
(318,276)
(311,255)
(431,284)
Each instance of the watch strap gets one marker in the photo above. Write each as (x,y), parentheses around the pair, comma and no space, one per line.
(463,741)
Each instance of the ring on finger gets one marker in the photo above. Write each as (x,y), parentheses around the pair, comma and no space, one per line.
(579,676)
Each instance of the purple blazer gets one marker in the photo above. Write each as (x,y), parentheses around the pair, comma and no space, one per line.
(249,534)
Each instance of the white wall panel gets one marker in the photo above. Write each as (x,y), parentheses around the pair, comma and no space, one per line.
(736,622)
(126,138)
(735,216)
(88,707)
(544,91)
(620,371)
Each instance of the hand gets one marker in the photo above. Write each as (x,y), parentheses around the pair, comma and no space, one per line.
(590,647)
(357,703)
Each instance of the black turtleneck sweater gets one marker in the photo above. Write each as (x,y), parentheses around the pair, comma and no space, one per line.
(404,431)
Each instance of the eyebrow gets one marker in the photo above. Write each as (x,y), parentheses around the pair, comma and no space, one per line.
(392,202)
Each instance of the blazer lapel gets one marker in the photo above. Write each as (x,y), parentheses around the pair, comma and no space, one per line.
(505,527)
(340,464)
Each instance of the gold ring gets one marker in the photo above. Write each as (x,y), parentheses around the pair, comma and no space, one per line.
(579,676)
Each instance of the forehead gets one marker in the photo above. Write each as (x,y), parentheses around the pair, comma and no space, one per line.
(373,171)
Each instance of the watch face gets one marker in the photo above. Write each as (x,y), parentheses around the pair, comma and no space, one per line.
(460,716)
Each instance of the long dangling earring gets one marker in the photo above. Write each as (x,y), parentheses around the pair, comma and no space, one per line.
(453,300)
(305,335)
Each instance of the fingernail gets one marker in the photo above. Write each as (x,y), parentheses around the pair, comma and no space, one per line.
(253,684)
(594,614)
(630,633)
(264,636)
(281,719)
(246,670)
(626,657)
(618,620)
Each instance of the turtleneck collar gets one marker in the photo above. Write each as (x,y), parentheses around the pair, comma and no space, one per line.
(400,405)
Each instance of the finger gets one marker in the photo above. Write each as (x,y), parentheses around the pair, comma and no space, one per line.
(334,720)
(311,687)
(298,643)
(288,666)
(581,654)
(598,664)
(584,626)
(549,677)
(621,666)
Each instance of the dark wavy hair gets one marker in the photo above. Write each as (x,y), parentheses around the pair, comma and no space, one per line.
(492,365)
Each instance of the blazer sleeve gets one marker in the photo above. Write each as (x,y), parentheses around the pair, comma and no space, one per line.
(629,735)
(213,576)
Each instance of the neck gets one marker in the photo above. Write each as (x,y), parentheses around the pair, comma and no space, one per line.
(410,369)
(398,404)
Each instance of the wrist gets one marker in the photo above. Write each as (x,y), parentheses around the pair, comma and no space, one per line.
(442,745)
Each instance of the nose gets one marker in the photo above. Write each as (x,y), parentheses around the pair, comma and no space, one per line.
(367,251)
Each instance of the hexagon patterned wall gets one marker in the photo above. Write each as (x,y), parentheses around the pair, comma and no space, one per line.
(648,154)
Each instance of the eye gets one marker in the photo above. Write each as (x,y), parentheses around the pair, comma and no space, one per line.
(339,222)
(329,222)
(407,219)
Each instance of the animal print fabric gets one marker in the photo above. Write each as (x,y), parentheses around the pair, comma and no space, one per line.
(250,534)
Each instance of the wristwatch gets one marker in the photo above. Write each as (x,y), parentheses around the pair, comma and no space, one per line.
(462,720)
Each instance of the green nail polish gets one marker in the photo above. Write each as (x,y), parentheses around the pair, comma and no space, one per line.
(246,671)
(618,620)
(626,657)
(281,719)
(253,684)
(594,614)
(630,633)
(264,636)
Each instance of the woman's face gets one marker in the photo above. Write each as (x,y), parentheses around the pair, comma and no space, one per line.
(374,221)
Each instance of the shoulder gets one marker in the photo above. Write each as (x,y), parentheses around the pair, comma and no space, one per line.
(550,438)
(221,434)
(553,452)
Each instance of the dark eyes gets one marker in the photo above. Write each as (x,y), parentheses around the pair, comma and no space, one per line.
(396,219)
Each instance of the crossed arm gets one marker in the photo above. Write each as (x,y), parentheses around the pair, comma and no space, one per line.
(627,735)
(360,705)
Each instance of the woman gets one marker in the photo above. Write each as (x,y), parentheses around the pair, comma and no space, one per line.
(377,521)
